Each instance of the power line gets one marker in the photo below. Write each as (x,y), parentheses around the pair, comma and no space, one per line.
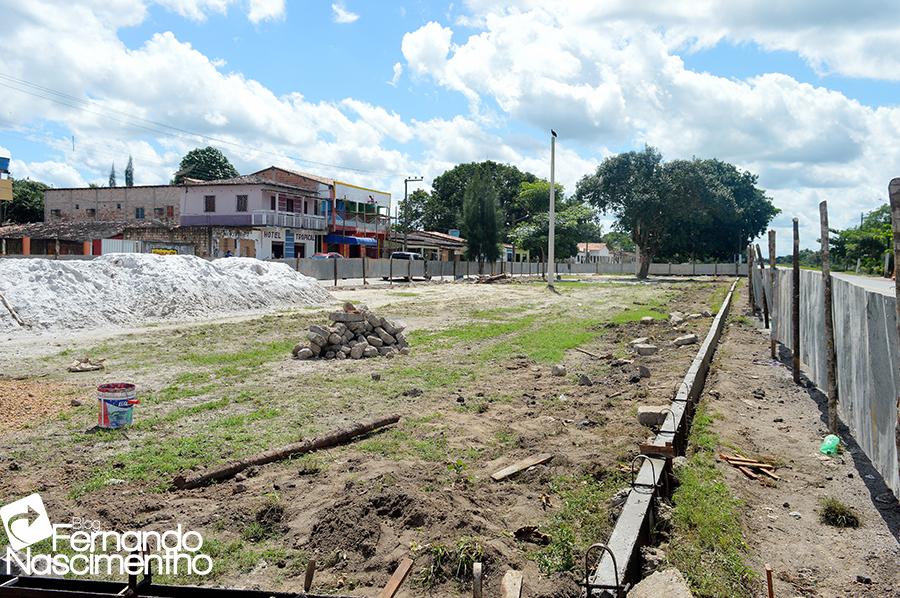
(152,126)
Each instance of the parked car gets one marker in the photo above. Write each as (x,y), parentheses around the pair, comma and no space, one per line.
(406,255)
(329,255)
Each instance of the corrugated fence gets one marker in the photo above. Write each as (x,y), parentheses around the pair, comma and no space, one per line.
(867,348)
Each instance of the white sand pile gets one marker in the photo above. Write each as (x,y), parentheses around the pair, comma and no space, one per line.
(128,289)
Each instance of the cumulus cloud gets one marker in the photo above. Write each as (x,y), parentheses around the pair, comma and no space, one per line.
(340,14)
(57,174)
(611,75)
(266,10)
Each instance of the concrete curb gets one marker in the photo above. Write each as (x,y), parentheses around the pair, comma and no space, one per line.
(632,528)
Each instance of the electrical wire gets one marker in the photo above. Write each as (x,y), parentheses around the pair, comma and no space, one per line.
(152,126)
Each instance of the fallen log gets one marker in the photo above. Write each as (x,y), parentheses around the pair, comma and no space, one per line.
(333,439)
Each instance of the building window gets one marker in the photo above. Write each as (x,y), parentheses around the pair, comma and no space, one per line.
(139,213)
(91,212)
(273,204)
(56,212)
(170,211)
(118,206)
(241,203)
(158,212)
(76,206)
(209,203)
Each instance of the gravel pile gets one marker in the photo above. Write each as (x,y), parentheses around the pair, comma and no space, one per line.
(354,333)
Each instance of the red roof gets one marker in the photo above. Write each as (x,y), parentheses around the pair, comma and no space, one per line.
(582,247)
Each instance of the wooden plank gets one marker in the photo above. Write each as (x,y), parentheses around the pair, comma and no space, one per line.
(795,305)
(769,581)
(310,572)
(770,474)
(511,586)
(397,579)
(476,580)
(748,473)
(520,465)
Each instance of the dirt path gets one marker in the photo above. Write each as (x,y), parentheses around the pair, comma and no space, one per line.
(762,413)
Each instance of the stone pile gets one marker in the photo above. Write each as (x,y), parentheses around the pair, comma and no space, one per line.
(354,333)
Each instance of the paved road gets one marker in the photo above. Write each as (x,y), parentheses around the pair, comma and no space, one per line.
(885,286)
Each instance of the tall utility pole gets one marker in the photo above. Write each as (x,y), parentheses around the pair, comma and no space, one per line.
(551,237)
(406,182)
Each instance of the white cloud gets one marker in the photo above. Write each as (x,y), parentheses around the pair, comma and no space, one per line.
(611,75)
(340,14)
(266,10)
(398,72)
(57,174)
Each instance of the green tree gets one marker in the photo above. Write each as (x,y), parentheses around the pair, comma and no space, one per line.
(618,241)
(867,242)
(684,209)
(444,210)
(575,221)
(129,173)
(28,201)
(480,222)
(205,164)
(630,186)
(411,210)
(112,175)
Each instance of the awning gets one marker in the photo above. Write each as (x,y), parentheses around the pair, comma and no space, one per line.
(342,240)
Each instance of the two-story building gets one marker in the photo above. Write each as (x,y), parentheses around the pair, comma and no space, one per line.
(264,218)
(359,219)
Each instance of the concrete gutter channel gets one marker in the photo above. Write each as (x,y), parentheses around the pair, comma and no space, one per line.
(619,563)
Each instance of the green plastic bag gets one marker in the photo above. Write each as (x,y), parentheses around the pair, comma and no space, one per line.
(830,445)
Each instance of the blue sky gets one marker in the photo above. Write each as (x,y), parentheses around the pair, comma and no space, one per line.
(789,94)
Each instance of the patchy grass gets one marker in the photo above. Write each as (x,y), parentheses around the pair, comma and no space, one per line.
(583,520)
(255,356)
(547,343)
(470,333)
(707,542)
(717,296)
(635,314)
(836,514)
(450,562)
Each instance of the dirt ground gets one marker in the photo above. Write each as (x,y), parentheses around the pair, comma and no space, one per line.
(475,395)
(760,412)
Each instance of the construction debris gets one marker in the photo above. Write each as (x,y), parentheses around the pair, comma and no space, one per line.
(86,364)
(521,465)
(491,279)
(297,448)
(355,333)
(687,339)
(652,416)
(749,467)
(645,349)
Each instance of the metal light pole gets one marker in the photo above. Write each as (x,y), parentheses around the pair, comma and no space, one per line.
(551,237)
(406,182)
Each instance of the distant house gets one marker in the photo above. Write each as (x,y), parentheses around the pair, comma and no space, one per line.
(591,253)
(432,244)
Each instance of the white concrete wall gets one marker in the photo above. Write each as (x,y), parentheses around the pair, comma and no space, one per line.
(866,345)
(192,202)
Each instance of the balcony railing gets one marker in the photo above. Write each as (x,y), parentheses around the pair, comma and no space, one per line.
(361,222)
(289,220)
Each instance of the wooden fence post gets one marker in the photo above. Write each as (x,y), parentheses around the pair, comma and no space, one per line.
(335,270)
(795,304)
(750,298)
(762,281)
(830,355)
(364,269)
(773,285)
(894,190)
(391,271)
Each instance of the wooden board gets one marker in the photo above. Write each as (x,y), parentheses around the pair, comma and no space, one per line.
(748,473)
(396,579)
(520,465)
(511,586)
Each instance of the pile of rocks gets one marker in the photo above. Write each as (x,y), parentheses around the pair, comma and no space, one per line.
(354,333)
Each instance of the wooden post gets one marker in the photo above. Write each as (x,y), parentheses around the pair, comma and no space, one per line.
(830,355)
(773,285)
(750,298)
(762,281)
(364,269)
(795,304)
(771,590)
(391,270)
(894,190)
